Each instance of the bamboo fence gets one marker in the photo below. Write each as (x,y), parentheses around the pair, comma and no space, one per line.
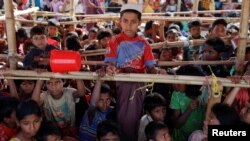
(131,77)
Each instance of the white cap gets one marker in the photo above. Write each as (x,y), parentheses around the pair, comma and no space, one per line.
(136,7)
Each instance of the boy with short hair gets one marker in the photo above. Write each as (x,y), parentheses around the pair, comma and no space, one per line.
(98,111)
(129,53)
(195,33)
(157,131)
(38,57)
(155,108)
(59,103)
(108,131)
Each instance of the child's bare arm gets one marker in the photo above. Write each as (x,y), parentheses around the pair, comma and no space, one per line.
(37,91)
(13,90)
(180,119)
(80,89)
(96,93)
(231,96)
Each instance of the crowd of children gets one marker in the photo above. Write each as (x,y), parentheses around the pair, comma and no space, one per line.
(73,110)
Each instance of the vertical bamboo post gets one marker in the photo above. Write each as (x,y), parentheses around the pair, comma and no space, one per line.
(72,8)
(195,8)
(179,6)
(34,16)
(241,50)
(11,32)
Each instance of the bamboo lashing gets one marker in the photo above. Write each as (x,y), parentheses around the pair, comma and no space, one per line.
(21,12)
(243,36)
(11,32)
(131,77)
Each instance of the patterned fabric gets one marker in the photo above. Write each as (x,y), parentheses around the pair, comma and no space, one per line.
(6,133)
(180,101)
(88,129)
(61,111)
(133,53)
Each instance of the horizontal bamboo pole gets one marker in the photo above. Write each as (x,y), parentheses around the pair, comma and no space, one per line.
(45,13)
(159,18)
(21,12)
(160,45)
(171,79)
(164,18)
(61,23)
(172,63)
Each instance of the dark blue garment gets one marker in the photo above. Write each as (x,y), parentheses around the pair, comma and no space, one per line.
(29,62)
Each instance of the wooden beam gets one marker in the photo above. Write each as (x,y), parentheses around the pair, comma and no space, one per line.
(241,50)
(11,32)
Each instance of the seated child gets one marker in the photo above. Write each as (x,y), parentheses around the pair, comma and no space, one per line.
(48,132)
(188,112)
(212,51)
(108,130)
(29,118)
(21,89)
(155,108)
(8,126)
(195,33)
(59,103)
(38,57)
(157,131)
(97,112)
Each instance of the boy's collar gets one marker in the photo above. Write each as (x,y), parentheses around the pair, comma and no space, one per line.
(127,38)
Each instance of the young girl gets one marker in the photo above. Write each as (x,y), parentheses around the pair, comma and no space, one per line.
(188,113)
(155,108)
(21,89)
(29,118)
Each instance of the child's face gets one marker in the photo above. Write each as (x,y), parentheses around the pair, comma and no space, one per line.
(39,41)
(110,137)
(55,87)
(195,31)
(53,138)
(27,87)
(158,113)
(52,30)
(30,125)
(70,28)
(209,54)
(219,30)
(162,135)
(166,55)
(180,87)
(92,36)
(129,23)
(104,102)
(171,37)
(104,42)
